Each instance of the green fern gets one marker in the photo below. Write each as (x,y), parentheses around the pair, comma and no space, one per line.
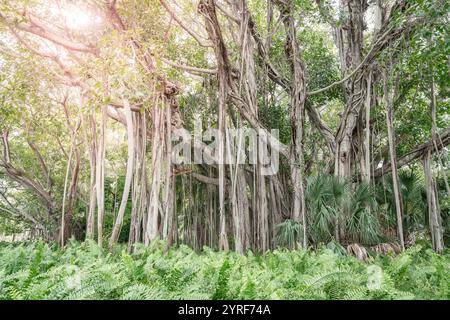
(85,271)
(221,288)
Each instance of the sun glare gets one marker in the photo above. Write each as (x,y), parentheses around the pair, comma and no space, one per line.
(76,17)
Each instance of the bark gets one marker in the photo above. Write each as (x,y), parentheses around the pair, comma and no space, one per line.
(156,170)
(393,157)
(415,154)
(349,40)
(66,218)
(100,178)
(139,189)
(19,175)
(171,213)
(44,169)
(277,78)
(128,176)
(208,10)
(434,215)
(92,186)
(297,113)
(223,243)
(168,194)
(365,170)
(435,136)
(249,93)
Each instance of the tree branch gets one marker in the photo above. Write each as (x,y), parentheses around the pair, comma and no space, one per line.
(416,153)
(36,27)
(180,22)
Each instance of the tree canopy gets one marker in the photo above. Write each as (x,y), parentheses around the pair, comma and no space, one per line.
(350,98)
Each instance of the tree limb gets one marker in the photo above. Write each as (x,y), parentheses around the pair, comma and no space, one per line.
(414,154)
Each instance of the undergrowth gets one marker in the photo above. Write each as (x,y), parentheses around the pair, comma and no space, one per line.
(86,271)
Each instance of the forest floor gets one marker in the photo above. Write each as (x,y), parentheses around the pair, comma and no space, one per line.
(86,271)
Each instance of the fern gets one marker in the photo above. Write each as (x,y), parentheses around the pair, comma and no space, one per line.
(85,271)
(221,288)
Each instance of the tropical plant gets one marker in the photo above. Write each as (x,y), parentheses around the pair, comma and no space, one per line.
(325,197)
(363,223)
(86,271)
(413,199)
(289,234)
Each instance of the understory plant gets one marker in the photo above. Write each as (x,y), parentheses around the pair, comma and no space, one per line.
(87,271)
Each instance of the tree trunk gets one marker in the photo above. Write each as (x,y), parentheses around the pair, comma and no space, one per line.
(100,178)
(128,176)
(169,179)
(297,102)
(434,216)
(92,188)
(139,189)
(365,169)
(156,171)
(208,9)
(393,156)
(435,135)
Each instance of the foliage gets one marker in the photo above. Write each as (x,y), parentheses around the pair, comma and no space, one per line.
(330,198)
(86,271)
(363,224)
(288,233)
(325,195)
(413,198)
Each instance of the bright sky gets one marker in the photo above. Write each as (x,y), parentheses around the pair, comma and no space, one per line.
(76,15)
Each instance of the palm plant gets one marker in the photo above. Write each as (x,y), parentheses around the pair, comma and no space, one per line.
(413,199)
(288,234)
(325,196)
(363,224)
(329,198)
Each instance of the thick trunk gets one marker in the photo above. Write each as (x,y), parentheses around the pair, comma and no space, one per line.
(66,217)
(139,190)
(72,197)
(152,227)
(349,40)
(238,195)
(297,113)
(171,211)
(248,85)
(208,10)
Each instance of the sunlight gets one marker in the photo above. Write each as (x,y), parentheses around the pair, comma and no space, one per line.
(76,17)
